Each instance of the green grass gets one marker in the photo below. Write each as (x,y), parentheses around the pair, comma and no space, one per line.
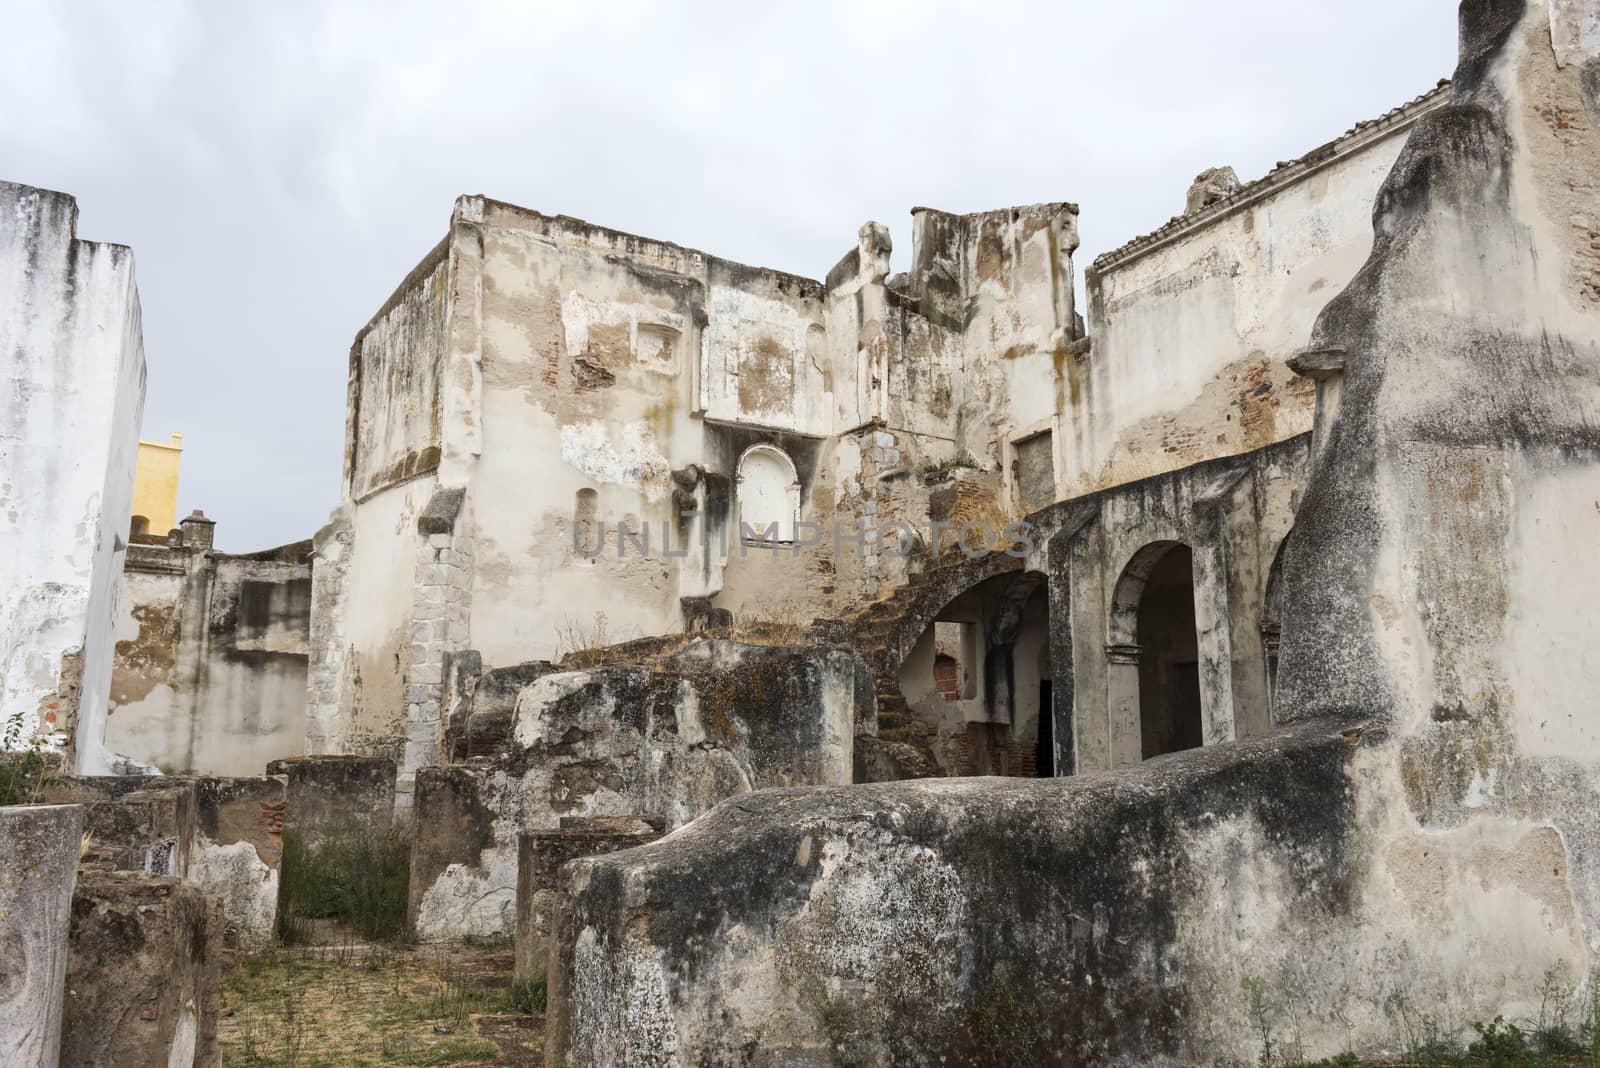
(345,1007)
(359,880)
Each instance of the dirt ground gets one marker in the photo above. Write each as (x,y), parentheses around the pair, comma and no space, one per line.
(359,1006)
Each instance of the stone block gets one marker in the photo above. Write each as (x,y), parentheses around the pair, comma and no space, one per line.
(238,850)
(463,880)
(143,973)
(143,830)
(540,894)
(337,793)
(38,866)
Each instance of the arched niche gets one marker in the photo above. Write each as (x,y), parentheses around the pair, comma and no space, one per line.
(767,491)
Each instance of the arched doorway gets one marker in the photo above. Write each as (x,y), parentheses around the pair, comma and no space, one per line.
(975,686)
(1154,654)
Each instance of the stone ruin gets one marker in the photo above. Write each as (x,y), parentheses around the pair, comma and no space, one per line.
(1273,661)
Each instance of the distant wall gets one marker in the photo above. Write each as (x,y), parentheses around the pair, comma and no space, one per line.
(155,485)
(1192,325)
(211,653)
(394,391)
(70,408)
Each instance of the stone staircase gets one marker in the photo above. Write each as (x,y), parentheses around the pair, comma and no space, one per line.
(884,632)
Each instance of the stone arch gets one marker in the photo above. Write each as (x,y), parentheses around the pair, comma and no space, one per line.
(767,489)
(994,630)
(1153,654)
(1272,625)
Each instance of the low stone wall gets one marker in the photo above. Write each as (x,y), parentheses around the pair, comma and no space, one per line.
(337,794)
(234,846)
(667,738)
(38,868)
(143,975)
(1095,920)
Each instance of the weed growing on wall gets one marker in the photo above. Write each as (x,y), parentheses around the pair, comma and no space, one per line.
(24,769)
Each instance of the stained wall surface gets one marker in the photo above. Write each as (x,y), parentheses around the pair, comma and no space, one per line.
(1193,325)
(210,666)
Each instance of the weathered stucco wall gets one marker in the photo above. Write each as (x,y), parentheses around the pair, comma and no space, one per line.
(72,401)
(1191,325)
(210,669)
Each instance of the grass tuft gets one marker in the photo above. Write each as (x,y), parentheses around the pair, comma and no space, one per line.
(357,879)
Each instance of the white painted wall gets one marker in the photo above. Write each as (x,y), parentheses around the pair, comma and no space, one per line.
(70,409)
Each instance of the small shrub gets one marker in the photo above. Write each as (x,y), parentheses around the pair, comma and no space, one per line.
(1500,1045)
(24,769)
(529,996)
(1552,1031)
(581,643)
(1259,1008)
(1425,1040)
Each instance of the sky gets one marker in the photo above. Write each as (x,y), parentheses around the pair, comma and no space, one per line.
(279,168)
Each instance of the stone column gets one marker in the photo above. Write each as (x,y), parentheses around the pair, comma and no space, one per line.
(1122,702)
(38,870)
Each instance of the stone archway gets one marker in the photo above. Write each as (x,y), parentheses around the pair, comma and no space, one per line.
(1153,655)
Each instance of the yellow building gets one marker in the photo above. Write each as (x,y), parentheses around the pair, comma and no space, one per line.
(155,486)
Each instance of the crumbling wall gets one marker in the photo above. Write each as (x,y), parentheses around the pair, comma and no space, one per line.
(1191,325)
(72,400)
(211,656)
(666,738)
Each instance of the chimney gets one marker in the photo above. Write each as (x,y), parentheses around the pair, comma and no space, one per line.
(198,531)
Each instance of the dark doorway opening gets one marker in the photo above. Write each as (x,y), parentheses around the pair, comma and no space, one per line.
(1169,671)
(1044,752)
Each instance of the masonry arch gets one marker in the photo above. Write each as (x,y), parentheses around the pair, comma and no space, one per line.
(1272,627)
(974,686)
(767,491)
(1153,654)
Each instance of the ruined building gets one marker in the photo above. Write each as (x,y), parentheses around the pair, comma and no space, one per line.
(211,651)
(562,435)
(653,581)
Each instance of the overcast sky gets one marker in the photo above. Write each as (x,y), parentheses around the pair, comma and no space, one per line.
(279,168)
